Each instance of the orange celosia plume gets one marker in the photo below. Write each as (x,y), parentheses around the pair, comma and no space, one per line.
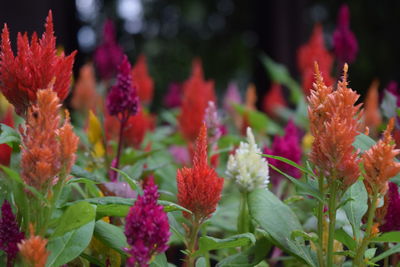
(47,148)
(372,113)
(379,163)
(34,67)
(142,80)
(33,250)
(334,123)
(199,187)
(85,96)
(196,94)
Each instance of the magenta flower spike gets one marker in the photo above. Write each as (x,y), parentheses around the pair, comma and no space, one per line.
(10,235)
(392,218)
(109,54)
(287,146)
(122,100)
(344,42)
(146,228)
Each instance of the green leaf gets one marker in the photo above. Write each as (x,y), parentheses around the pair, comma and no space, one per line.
(291,163)
(65,248)
(159,261)
(250,257)
(170,206)
(363,142)
(387,253)
(278,220)
(132,183)
(79,172)
(207,243)
(93,260)
(344,238)
(115,210)
(106,201)
(369,253)
(389,105)
(357,206)
(258,121)
(280,74)
(388,237)
(111,235)
(74,217)
(8,135)
(11,174)
(306,189)
(201,262)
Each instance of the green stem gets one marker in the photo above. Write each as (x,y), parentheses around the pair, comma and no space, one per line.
(320,215)
(358,261)
(192,243)
(244,218)
(332,222)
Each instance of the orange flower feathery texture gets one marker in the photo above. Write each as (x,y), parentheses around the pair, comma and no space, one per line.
(334,124)
(33,250)
(36,64)
(85,96)
(47,148)
(196,94)
(141,78)
(371,108)
(310,52)
(379,163)
(199,187)
(273,99)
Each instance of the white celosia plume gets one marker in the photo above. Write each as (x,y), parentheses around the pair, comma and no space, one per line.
(247,167)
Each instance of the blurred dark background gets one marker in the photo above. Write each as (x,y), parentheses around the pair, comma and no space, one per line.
(227,34)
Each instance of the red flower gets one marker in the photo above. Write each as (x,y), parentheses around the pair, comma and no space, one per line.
(314,51)
(6,150)
(199,187)
(141,78)
(196,94)
(135,129)
(273,99)
(34,67)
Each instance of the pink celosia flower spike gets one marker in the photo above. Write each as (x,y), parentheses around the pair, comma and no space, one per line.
(146,228)
(10,235)
(392,218)
(344,42)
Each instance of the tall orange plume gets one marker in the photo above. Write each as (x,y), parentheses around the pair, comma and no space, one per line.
(33,250)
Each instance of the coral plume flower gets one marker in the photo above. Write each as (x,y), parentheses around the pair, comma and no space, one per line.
(334,124)
(199,187)
(48,148)
(141,78)
(85,96)
(196,94)
(372,114)
(33,250)
(379,163)
(314,51)
(36,64)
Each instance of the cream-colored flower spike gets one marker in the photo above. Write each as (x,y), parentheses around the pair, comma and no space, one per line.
(247,167)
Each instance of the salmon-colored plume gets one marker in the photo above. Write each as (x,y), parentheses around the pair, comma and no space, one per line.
(33,250)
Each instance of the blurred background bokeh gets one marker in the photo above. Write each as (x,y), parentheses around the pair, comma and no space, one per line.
(228,35)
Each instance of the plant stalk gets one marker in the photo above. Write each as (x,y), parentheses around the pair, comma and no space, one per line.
(320,216)
(332,222)
(358,261)
(192,243)
(244,218)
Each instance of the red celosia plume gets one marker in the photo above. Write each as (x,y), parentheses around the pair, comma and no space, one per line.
(199,187)
(34,67)
(314,51)
(196,94)
(141,78)
(6,150)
